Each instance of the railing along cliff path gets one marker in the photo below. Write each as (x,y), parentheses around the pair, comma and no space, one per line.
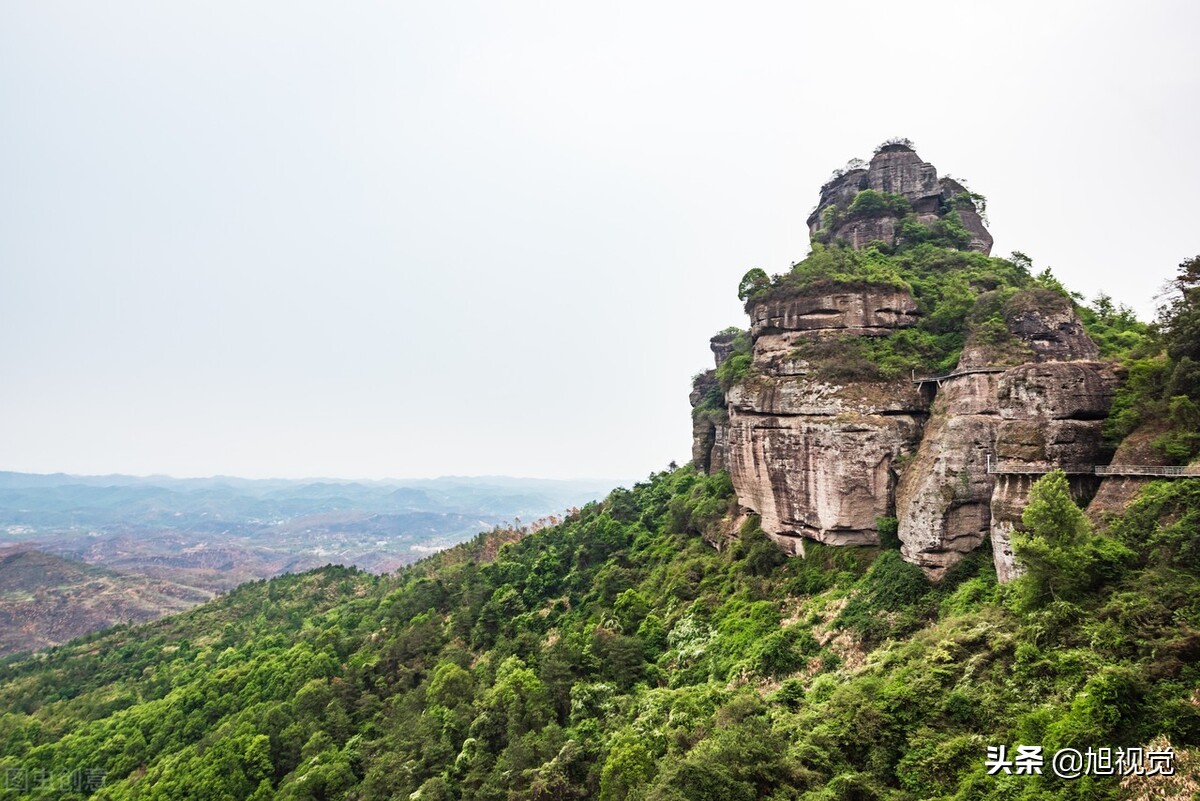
(938,379)
(998,468)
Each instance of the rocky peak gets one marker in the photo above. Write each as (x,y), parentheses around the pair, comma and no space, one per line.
(848,403)
(904,189)
(722,346)
(898,170)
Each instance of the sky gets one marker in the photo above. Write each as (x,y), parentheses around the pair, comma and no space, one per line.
(405,239)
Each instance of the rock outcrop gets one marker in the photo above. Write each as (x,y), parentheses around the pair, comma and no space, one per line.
(871,311)
(1043,413)
(1116,491)
(943,499)
(1051,417)
(822,444)
(710,420)
(1046,322)
(813,457)
(896,171)
(708,423)
(957,195)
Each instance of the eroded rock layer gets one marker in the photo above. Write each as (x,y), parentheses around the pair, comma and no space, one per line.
(942,503)
(815,458)
(825,460)
(1117,491)
(1051,417)
(866,312)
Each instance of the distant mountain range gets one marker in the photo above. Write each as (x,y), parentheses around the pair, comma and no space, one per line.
(167,543)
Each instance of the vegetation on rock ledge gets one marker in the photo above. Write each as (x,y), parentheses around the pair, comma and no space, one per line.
(945,283)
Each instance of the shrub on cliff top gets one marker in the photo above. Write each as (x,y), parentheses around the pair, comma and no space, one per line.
(739,362)
(896,143)
(1163,363)
(734,369)
(945,283)
(712,400)
(855,358)
(1115,328)
(928,271)
(1179,319)
(870,203)
(753,283)
(970,201)
(832,268)
(948,232)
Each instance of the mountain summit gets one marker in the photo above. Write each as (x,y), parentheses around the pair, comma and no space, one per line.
(881,201)
(901,380)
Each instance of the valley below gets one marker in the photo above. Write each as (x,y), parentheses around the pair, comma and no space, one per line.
(82,553)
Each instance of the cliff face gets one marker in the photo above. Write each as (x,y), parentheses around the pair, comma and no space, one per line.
(1051,416)
(1042,413)
(1116,491)
(822,436)
(815,457)
(817,461)
(942,502)
(872,311)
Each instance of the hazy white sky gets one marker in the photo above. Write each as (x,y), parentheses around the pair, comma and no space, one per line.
(411,239)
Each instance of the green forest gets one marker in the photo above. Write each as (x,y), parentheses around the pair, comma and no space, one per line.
(618,655)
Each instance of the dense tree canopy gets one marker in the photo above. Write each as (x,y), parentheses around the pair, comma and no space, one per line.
(619,656)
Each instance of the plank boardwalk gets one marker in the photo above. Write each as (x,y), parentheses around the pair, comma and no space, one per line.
(938,379)
(999,468)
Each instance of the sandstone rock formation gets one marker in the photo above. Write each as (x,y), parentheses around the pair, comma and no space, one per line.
(1051,416)
(968,213)
(705,424)
(898,170)
(872,311)
(814,457)
(710,419)
(1046,322)
(943,500)
(822,452)
(722,346)
(1117,491)
(1041,414)
(895,170)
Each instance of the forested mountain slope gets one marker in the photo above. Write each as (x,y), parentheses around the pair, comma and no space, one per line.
(617,655)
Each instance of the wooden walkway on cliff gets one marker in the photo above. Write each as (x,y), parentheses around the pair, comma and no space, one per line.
(998,468)
(938,379)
